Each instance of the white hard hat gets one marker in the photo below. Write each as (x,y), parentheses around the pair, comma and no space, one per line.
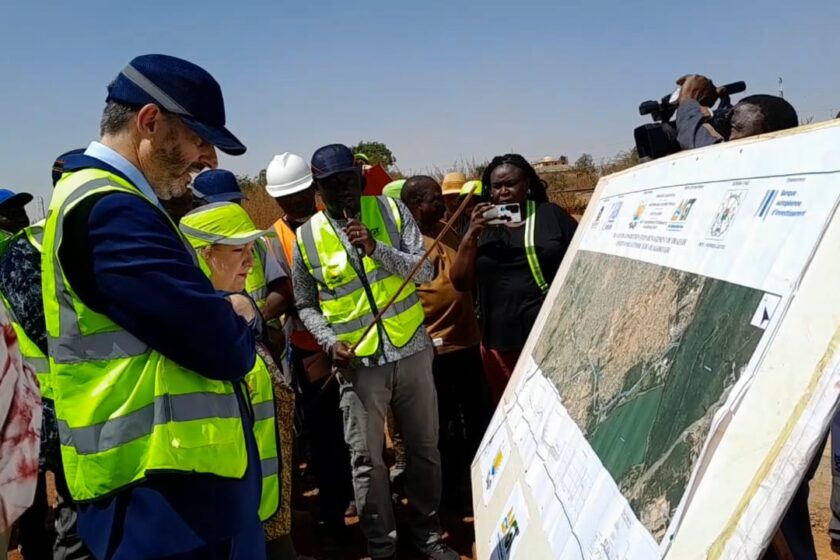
(287,174)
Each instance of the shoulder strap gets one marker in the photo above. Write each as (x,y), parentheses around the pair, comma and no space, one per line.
(530,248)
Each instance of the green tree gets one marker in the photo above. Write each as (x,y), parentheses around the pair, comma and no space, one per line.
(377,152)
(585,163)
(248,183)
(621,161)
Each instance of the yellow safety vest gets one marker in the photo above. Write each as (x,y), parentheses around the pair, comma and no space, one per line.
(345,303)
(5,238)
(255,282)
(261,392)
(123,408)
(28,349)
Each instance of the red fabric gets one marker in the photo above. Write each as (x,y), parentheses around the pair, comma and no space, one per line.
(498,367)
(20,429)
(376,178)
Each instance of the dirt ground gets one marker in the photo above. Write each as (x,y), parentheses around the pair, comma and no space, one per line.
(820,512)
(459,531)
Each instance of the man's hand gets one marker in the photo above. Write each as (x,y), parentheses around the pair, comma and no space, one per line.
(700,88)
(360,236)
(342,355)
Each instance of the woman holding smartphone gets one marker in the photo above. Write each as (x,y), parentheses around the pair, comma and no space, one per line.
(512,264)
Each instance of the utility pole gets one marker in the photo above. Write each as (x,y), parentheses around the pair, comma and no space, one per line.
(781,87)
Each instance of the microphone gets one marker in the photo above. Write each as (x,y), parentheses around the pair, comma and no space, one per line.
(360,249)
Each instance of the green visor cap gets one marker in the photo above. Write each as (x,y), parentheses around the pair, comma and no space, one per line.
(225,223)
(394,188)
(469,185)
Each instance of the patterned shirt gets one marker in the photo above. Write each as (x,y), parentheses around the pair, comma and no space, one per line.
(20,283)
(396,260)
(20,419)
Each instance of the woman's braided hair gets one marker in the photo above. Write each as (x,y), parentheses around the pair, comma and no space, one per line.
(536,186)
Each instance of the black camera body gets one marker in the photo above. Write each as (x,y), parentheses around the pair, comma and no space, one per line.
(659,139)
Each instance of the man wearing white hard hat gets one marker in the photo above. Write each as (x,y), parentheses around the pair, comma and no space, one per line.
(289,182)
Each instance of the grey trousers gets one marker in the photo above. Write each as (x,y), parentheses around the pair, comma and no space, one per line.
(408,386)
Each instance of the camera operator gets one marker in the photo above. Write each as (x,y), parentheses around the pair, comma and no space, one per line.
(754,114)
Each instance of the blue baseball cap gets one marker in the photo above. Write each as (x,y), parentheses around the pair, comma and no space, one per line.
(179,87)
(332,159)
(217,185)
(9,198)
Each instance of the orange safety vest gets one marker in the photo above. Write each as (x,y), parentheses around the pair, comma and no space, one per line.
(302,339)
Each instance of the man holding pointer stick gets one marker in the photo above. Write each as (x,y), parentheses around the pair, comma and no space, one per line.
(350,262)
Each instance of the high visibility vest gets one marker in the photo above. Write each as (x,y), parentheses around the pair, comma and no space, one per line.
(28,349)
(255,282)
(530,246)
(287,238)
(5,238)
(300,337)
(123,408)
(261,392)
(345,303)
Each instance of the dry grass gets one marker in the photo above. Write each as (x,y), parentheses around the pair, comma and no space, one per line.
(261,207)
(559,185)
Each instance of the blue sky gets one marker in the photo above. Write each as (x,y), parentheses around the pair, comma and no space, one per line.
(436,81)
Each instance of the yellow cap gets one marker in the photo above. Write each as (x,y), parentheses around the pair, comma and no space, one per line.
(394,188)
(225,223)
(470,185)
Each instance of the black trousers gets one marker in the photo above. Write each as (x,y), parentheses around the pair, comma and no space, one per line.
(323,427)
(463,412)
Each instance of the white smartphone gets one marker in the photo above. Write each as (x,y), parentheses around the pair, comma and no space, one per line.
(504,214)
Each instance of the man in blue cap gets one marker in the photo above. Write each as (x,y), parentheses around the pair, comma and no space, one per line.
(13,216)
(349,262)
(147,360)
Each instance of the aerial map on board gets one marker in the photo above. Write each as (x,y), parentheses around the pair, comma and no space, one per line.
(648,355)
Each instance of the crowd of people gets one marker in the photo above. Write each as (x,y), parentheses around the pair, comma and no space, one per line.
(173,362)
(169,362)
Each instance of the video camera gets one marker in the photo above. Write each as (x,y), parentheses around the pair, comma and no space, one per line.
(659,139)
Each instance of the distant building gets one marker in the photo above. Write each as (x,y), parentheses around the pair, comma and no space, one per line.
(549,164)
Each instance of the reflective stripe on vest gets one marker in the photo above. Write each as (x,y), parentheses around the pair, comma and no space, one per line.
(261,392)
(30,351)
(35,235)
(344,301)
(124,409)
(255,283)
(530,246)
(300,337)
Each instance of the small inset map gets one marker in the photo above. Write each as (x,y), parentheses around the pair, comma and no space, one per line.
(643,356)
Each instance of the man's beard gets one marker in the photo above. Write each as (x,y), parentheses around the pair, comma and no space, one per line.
(171,163)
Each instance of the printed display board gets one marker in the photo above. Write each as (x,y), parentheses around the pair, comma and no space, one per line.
(683,369)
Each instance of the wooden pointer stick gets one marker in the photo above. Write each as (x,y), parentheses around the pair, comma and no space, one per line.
(446,227)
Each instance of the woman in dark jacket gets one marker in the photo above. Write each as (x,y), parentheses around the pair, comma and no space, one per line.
(513,264)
